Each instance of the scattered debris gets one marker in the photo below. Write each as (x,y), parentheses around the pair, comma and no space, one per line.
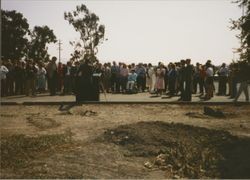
(184,151)
(63,107)
(196,115)
(215,113)
(66,113)
(88,113)
(148,165)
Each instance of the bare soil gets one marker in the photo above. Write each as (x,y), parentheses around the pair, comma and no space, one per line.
(124,141)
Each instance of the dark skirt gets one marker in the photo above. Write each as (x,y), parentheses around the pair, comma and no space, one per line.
(87,89)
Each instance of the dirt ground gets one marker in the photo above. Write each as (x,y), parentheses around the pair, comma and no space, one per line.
(124,141)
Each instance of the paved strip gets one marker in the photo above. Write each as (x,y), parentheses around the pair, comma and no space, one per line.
(30,103)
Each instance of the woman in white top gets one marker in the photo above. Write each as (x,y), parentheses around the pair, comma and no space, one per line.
(150,78)
(209,82)
(41,78)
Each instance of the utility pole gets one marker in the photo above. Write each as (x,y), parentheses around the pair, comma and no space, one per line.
(60,49)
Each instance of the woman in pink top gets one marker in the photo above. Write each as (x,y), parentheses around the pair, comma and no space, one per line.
(159,85)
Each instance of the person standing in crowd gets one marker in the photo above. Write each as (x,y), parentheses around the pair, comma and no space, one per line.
(177,85)
(209,81)
(197,78)
(172,76)
(141,75)
(60,76)
(233,79)
(41,78)
(202,79)
(3,71)
(97,81)
(223,78)
(52,76)
(124,77)
(150,73)
(107,77)
(159,85)
(84,85)
(67,74)
(166,79)
(19,77)
(115,70)
(181,78)
(144,82)
(10,77)
(244,79)
(31,72)
(74,71)
(188,81)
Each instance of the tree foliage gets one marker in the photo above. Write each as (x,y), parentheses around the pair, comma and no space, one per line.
(91,31)
(243,24)
(40,37)
(19,42)
(15,30)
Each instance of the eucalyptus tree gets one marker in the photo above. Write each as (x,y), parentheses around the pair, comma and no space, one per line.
(41,36)
(14,35)
(91,32)
(243,24)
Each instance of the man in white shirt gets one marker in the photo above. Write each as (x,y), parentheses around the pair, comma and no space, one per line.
(3,71)
(209,81)
(223,75)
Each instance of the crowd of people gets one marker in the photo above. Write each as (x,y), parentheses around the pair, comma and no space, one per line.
(174,79)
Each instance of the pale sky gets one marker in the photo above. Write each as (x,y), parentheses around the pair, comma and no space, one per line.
(143,30)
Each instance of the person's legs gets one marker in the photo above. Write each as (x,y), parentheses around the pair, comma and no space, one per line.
(66,85)
(112,82)
(27,87)
(223,85)
(117,84)
(195,83)
(245,89)
(239,91)
(3,87)
(201,85)
(143,83)
(220,86)
(52,85)
(128,85)
(188,91)
(33,86)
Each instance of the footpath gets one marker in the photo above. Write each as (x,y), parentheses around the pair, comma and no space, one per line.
(46,99)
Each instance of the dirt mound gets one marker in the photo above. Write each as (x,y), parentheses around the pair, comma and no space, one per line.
(184,151)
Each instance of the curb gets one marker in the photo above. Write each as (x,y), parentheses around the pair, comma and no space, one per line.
(30,103)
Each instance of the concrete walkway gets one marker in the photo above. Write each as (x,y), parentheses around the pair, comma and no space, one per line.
(114,98)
